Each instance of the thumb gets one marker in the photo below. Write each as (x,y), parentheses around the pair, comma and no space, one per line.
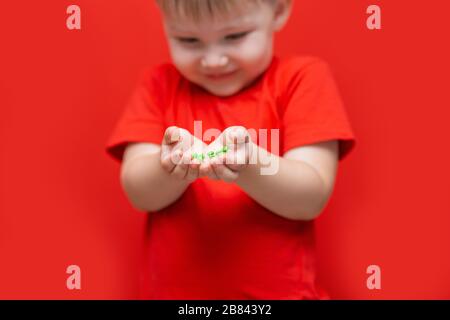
(238,136)
(172,135)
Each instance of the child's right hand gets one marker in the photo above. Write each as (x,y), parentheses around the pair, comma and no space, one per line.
(176,152)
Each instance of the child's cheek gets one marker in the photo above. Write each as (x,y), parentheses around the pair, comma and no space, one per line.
(180,56)
(184,60)
(256,50)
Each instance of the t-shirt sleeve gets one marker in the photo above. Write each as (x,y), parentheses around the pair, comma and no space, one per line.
(314,111)
(142,120)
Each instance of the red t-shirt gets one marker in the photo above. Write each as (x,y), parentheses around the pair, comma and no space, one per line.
(216,242)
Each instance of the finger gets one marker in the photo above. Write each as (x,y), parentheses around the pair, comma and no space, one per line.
(225,173)
(193,170)
(235,135)
(204,168)
(207,170)
(234,161)
(240,140)
(169,161)
(222,171)
(181,168)
(238,158)
(228,160)
(228,138)
(172,135)
(241,136)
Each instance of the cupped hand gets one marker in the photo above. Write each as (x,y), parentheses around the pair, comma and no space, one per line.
(228,155)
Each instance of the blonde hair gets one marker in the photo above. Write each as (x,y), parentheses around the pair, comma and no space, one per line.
(199,9)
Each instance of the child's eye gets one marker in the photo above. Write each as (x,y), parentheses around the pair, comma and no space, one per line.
(236,36)
(188,40)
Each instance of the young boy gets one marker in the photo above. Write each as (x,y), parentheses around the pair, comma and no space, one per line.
(220,228)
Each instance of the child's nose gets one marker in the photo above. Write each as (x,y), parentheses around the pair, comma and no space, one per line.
(214,61)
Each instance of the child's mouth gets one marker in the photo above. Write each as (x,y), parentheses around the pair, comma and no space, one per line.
(222,76)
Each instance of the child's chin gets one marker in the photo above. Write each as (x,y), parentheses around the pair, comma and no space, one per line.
(224,91)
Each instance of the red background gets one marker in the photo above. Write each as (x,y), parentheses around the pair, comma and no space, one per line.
(62,91)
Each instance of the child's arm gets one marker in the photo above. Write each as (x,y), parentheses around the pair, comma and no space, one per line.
(302,185)
(148,186)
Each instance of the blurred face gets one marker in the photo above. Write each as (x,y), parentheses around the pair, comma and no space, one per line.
(223,55)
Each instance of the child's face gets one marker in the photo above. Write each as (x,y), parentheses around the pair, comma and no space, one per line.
(223,55)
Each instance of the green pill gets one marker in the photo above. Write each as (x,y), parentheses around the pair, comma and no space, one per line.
(211,154)
(197,156)
(223,150)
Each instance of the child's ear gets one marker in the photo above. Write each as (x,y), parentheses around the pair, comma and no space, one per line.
(283,10)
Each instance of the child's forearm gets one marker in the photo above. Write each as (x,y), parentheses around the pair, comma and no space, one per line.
(148,186)
(296,191)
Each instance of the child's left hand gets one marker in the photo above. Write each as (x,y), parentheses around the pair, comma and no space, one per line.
(227,165)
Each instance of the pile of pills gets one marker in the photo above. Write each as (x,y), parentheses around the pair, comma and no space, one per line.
(211,154)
